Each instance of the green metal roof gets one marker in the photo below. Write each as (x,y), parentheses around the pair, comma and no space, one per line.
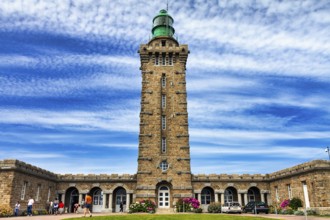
(163,25)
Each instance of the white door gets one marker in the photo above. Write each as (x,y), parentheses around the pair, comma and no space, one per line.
(163,197)
(97,201)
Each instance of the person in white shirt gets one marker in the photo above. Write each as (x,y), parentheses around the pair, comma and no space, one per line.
(29,207)
(17,206)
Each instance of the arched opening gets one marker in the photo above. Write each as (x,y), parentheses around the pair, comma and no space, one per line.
(71,197)
(119,197)
(207,196)
(97,199)
(231,195)
(254,194)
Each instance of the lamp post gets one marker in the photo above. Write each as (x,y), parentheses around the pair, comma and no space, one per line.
(328,151)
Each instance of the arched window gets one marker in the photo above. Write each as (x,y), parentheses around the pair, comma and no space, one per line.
(251,196)
(229,195)
(206,196)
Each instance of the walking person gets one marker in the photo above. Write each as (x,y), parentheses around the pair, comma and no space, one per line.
(88,205)
(121,206)
(29,206)
(17,206)
(55,207)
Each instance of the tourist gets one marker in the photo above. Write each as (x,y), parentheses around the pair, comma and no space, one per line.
(88,205)
(51,207)
(17,206)
(61,207)
(75,207)
(55,207)
(121,206)
(29,206)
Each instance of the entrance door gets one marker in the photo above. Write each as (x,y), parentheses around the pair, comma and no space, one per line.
(97,201)
(163,197)
(74,198)
(120,198)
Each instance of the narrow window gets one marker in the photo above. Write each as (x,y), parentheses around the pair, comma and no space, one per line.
(170,59)
(156,59)
(48,196)
(276,194)
(23,190)
(163,100)
(163,59)
(163,81)
(38,192)
(289,191)
(163,122)
(163,145)
(163,43)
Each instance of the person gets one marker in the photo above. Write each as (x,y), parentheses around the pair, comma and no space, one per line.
(51,207)
(121,206)
(75,207)
(61,207)
(55,206)
(88,205)
(29,206)
(17,206)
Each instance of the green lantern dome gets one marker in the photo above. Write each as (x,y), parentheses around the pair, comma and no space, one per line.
(163,25)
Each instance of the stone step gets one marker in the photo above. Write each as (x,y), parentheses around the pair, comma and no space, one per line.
(164,211)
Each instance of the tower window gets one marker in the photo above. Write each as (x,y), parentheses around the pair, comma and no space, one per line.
(163,59)
(156,59)
(163,165)
(289,191)
(163,145)
(170,59)
(163,100)
(163,122)
(163,81)
(163,43)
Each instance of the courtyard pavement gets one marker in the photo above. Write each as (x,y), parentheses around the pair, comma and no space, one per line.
(65,216)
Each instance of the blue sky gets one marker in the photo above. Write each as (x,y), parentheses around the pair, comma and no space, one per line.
(258,82)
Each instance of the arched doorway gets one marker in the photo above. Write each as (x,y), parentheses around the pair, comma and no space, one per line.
(97,199)
(120,197)
(163,196)
(254,194)
(231,195)
(71,197)
(207,196)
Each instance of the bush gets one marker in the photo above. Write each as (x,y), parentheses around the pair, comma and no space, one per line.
(287,211)
(143,206)
(187,205)
(311,212)
(299,213)
(198,210)
(295,203)
(214,207)
(6,210)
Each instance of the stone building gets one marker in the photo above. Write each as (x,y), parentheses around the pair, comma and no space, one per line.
(164,172)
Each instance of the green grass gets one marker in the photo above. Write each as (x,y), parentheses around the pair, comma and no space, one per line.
(173,217)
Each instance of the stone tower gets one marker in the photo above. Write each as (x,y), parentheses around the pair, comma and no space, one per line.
(164,173)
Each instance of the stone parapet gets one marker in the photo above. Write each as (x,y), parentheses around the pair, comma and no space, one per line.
(99,177)
(19,166)
(314,165)
(227,177)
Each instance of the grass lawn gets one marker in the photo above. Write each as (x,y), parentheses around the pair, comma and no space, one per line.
(172,217)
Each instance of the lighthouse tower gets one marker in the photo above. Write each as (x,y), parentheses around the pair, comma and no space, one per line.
(164,173)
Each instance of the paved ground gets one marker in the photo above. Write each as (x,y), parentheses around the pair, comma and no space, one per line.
(64,216)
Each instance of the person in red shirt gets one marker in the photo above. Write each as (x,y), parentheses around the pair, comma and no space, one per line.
(61,207)
(88,205)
